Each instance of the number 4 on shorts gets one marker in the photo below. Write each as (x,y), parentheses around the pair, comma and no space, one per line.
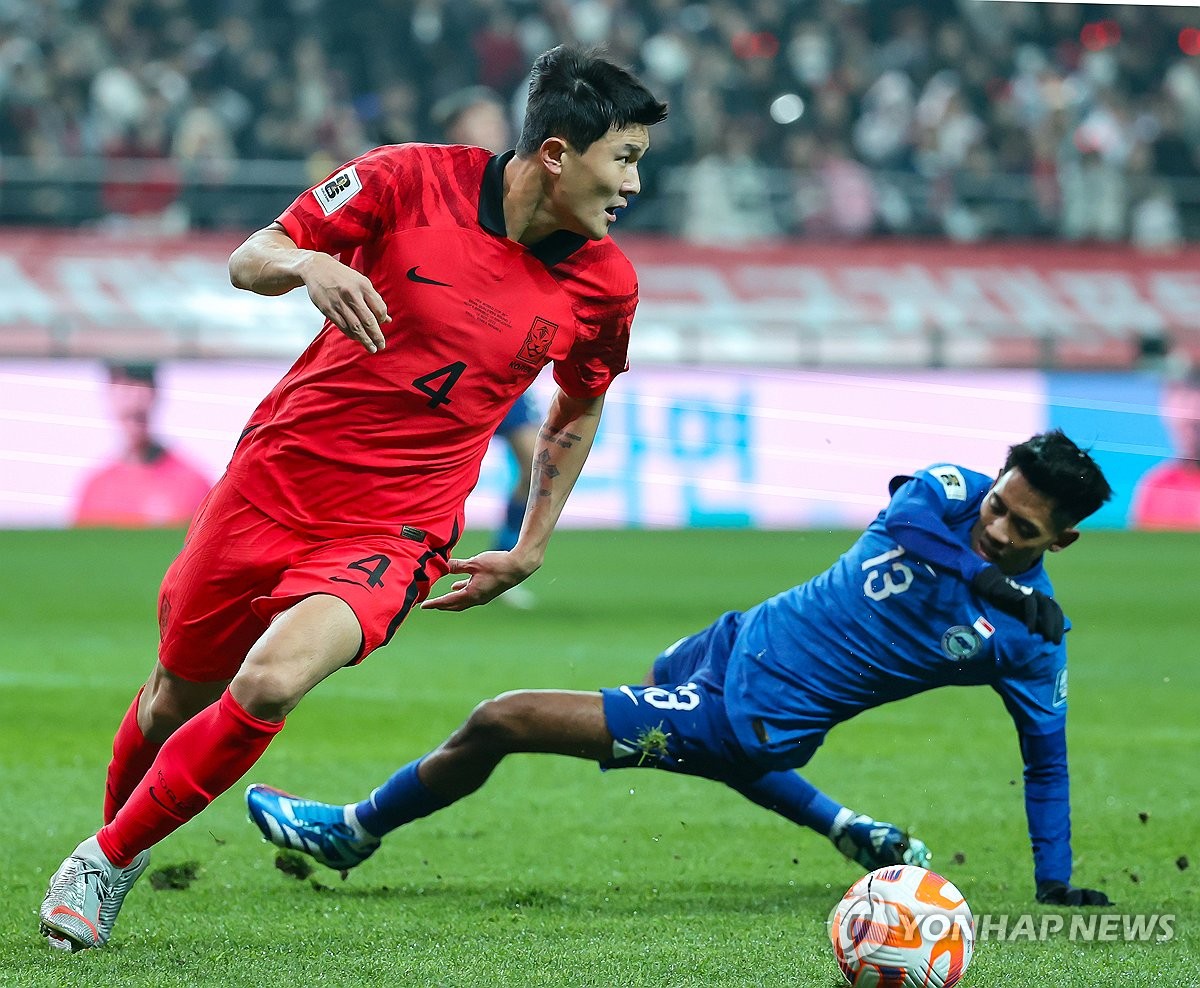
(374,566)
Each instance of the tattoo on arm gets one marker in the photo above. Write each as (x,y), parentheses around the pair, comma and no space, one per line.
(547,469)
(560,437)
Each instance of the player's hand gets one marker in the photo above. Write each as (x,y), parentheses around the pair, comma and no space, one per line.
(1040,613)
(1054,893)
(347,299)
(488,575)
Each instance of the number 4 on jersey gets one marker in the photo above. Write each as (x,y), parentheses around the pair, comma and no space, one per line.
(448,376)
(374,566)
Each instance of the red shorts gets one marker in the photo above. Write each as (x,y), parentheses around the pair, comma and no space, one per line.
(239,568)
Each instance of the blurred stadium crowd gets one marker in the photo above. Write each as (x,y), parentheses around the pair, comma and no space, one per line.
(825,118)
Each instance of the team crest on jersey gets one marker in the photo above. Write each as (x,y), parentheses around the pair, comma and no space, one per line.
(338,190)
(537,342)
(951,479)
(961,643)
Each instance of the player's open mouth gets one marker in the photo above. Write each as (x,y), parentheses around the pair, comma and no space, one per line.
(615,210)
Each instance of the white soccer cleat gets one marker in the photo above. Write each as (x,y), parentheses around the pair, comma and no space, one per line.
(85,896)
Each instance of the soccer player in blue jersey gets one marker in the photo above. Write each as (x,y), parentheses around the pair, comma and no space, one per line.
(945,587)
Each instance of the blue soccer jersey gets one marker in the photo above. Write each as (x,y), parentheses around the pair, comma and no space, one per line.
(895,616)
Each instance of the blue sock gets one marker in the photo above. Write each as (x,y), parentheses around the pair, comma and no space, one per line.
(507,537)
(399,800)
(793,796)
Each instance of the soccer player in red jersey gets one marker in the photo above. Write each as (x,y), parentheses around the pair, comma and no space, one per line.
(448,277)
(1167,496)
(147,484)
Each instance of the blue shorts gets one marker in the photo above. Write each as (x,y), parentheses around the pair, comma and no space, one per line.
(680,723)
(522,414)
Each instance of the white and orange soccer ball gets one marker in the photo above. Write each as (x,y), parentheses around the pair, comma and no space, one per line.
(902,927)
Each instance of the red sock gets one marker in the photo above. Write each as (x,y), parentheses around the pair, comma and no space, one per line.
(197,763)
(132,756)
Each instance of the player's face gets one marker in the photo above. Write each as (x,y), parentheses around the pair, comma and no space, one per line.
(132,402)
(1016,525)
(597,182)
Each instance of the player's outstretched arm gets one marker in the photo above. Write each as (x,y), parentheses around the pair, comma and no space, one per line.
(1048,810)
(270,263)
(562,448)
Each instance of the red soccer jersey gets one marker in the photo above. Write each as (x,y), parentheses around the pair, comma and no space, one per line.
(351,441)
(137,495)
(1168,497)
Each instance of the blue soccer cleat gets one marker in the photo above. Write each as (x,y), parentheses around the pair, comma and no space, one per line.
(874,844)
(325,832)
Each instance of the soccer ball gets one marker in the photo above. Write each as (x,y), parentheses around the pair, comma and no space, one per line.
(902,926)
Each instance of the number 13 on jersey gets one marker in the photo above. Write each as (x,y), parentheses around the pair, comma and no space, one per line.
(886,575)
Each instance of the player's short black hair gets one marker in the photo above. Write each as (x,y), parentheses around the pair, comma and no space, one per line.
(1063,472)
(578,95)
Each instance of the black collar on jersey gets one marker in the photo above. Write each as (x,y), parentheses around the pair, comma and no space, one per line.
(556,247)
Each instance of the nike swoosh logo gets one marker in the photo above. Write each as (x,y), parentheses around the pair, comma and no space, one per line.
(420,280)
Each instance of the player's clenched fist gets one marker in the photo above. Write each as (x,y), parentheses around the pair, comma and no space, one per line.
(1041,614)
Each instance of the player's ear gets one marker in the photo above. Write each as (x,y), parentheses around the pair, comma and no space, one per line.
(550,154)
(1065,538)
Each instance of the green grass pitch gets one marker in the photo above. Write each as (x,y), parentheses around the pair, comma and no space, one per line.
(556,874)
